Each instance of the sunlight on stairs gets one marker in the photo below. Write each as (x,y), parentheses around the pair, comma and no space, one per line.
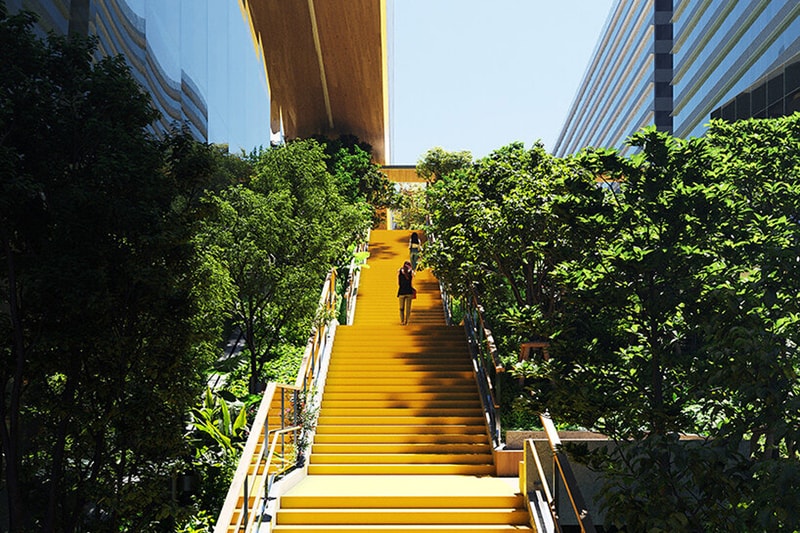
(401,441)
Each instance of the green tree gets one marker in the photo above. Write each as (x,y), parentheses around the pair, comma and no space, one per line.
(681,318)
(669,299)
(360,179)
(500,230)
(278,237)
(627,342)
(411,211)
(438,163)
(108,322)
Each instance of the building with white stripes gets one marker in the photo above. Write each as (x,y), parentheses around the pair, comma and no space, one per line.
(676,63)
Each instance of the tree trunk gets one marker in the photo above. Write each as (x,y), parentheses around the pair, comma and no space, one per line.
(657,371)
(250,341)
(10,431)
(55,493)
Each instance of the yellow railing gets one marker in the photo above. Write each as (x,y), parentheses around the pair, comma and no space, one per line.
(283,462)
(538,492)
(244,506)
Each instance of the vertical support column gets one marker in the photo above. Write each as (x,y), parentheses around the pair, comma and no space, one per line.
(662,48)
(79,17)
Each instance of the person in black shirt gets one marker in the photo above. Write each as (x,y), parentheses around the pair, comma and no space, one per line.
(405,291)
(414,247)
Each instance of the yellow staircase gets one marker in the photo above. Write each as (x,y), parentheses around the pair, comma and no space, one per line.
(401,441)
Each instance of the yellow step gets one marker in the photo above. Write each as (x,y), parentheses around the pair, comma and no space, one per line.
(405,528)
(369,374)
(419,398)
(419,429)
(425,333)
(319,458)
(392,408)
(401,443)
(350,367)
(402,447)
(437,492)
(429,351)
(405,438)
(401,383)
(427,392)
(409,378)
(402,469)
(440,356)
(399,336)
(401,420)
(402,386)
(389,516)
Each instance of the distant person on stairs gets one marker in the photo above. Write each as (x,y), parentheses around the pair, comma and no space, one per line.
(405,291)
(415,248)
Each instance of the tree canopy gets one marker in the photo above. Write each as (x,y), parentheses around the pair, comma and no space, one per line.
(276,238)
(438,163)
(665,283)
(109,321)
(125,253)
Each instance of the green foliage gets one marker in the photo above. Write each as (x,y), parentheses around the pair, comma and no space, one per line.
(213,421)
(286,365)
(679,318)
(501,227)
(109,317)
(669,299)
(202,522)
(412,212)
(276,238)
(438,163)
(359,178)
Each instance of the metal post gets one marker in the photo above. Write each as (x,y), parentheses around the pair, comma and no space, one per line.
(556,491)
(246,504)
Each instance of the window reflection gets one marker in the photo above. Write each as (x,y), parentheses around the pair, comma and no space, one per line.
(194,57)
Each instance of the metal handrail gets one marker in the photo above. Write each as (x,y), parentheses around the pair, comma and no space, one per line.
(549,499)
(244,481)
(486,335)
(353,280)
(318,340)
(562,470)
(482,347)
(250,520)
(243,477)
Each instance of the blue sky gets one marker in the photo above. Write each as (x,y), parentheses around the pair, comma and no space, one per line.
(476,75)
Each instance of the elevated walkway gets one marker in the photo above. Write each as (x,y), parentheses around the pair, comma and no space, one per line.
(401,441)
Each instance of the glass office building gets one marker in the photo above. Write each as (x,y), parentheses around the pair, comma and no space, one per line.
(627,82)
(710,58)
(195,58)
(722,48)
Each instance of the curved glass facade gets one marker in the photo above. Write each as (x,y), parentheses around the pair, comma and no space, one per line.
(196,58)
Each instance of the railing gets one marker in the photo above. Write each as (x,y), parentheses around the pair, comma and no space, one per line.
(485,360)
(353,279)
(486,363)
(563,479)
(318,341)
(251,476)
(259,465)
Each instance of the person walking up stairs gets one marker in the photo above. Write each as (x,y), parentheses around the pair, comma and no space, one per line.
(401,441)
